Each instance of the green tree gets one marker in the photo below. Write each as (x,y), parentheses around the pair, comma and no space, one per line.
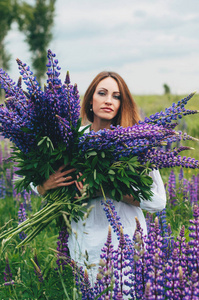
(7,13)
(166,89)
(36,22)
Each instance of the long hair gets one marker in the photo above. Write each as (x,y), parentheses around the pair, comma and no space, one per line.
(128,114)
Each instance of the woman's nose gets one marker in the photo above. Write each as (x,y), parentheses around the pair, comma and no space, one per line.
(109,99)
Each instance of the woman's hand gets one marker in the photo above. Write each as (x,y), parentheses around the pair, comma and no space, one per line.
(81,187)
(57,179)
(130,200)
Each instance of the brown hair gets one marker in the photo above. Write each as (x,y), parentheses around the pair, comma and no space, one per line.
(128,114)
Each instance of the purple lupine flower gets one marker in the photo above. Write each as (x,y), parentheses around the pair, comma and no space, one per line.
(1,156)
(37,268)
(180,244)
(192,290)
(172,187)
(2,187)
(86,289)
(147,294)
(111,214)
(149,220)
(7,273)
(165,232)
(172,113)
(154,240)
(154,259)
(196,183)
(26,110)
(162,222)
(185,188)
(198,186)
(105,274)
(181,284)
(113,218)
(140,140)
(193,190)
(172,276)
(157,278)
(194,242)
(27,200)
(82,281)
(170,244)
(138,264)
(62,248)
(121,266)
(22,216)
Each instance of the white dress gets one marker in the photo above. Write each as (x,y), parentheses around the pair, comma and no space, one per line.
(88,236)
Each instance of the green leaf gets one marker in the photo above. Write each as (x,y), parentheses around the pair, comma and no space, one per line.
(91,153)
(94,174)
(94,162)
(112,178)
(125,180)
(103,154)
(111,172)
(66,160)
(41,141)
(113,193)
(131,168)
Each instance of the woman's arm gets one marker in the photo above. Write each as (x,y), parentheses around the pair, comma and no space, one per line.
(58,179)
(158,201)
(126,198)
(130,200)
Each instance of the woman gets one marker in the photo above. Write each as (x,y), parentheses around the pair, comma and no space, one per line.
(107,101)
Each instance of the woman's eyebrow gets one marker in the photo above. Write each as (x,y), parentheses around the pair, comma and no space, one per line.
(102,88)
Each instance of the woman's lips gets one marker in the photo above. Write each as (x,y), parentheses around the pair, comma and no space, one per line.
(107,109)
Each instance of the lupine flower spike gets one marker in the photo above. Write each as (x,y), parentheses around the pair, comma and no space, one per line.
(7,273)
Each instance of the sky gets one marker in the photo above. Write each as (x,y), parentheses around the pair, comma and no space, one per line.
(148,42)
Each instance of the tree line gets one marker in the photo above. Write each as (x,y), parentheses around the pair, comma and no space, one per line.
(35,21)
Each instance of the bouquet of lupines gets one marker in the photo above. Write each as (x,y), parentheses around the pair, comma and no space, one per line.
(44,127)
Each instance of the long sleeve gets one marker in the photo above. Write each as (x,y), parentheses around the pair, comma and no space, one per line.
(34,188)
(158,201)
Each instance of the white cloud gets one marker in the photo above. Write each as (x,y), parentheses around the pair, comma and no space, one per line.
(148,42)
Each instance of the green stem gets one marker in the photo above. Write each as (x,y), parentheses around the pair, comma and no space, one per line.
(103,193)
(45,215)
(33,234)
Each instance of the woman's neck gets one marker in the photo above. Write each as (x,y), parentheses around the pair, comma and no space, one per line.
(100,125)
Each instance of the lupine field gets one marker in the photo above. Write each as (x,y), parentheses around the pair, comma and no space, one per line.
(163,265)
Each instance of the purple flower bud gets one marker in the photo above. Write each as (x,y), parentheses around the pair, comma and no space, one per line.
(67,80)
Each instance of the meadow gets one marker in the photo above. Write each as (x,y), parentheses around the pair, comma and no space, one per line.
(165,265)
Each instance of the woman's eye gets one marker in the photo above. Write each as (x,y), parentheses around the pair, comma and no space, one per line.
(117,97)
(101,93)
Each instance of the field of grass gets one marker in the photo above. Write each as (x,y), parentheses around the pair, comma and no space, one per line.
(150,104)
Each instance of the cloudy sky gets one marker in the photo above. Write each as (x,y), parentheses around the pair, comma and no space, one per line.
(148,42)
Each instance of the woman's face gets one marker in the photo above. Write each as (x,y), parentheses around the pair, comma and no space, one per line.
(106,100)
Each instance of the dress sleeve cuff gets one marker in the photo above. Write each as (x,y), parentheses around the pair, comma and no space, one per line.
(158,200)
(34,188)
